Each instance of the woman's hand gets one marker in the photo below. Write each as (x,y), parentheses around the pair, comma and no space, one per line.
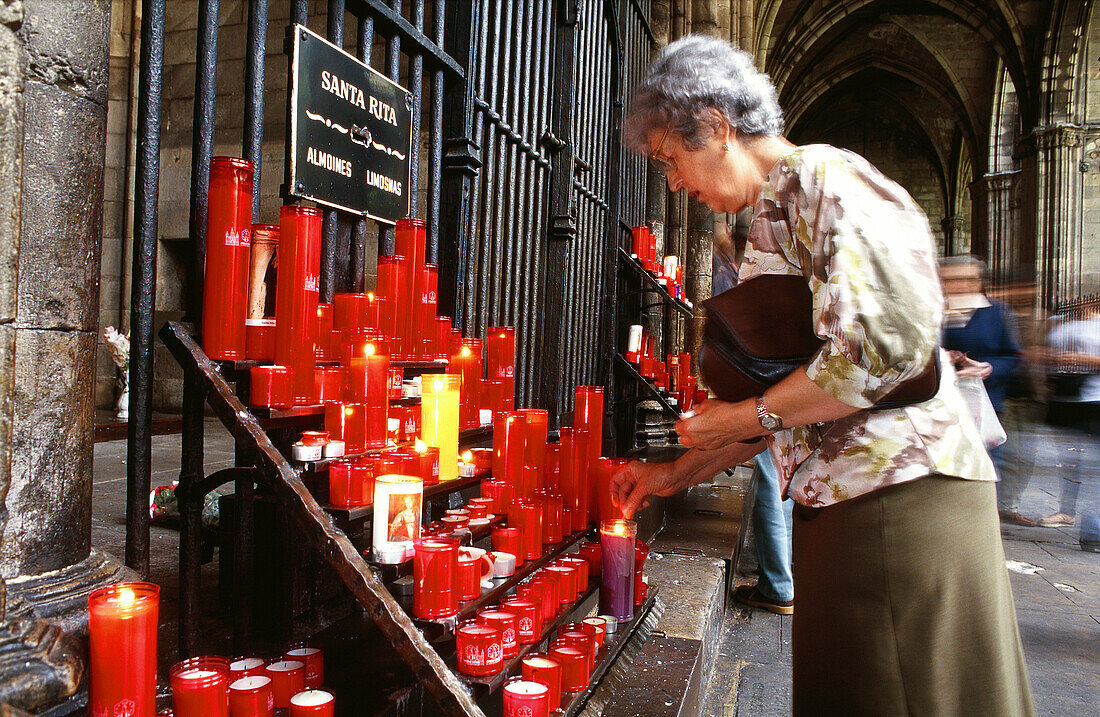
(636,481)
(717,424)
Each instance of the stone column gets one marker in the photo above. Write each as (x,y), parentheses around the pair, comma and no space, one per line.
(1051,158)
(1002,246)
(54,75)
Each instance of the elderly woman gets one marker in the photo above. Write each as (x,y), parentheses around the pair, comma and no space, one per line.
(904,605)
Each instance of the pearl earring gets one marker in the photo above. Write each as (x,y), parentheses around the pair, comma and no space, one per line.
(726,148)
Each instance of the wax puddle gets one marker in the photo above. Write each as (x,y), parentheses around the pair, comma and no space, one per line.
(1018,566)
(1066,588)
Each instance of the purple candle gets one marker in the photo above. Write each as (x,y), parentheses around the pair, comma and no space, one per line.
(617,568)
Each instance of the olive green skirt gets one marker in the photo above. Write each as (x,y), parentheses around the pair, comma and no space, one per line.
(903,606)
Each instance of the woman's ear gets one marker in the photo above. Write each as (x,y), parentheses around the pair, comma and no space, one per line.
(719,125)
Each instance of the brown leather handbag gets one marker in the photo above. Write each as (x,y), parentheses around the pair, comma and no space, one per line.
(762,329)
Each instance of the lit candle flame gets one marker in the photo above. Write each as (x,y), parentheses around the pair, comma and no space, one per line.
(126,597)
(348,411)
(420,446)
(465,351)
(369,350)
(468,457)
(370,296)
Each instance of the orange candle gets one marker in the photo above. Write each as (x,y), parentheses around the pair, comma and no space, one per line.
(122,647)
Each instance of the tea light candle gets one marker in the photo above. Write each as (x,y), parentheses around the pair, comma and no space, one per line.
(524,698)
(439,418)
(335,448)
(251,697)
(479,650)
(248,666)
(574,666)
(540,667)
(397,509)
(301,452)
(617,567)
(313,703)
(288,678)
(199,687)
(611,623)
(122,647)
(314,659)
(504,564)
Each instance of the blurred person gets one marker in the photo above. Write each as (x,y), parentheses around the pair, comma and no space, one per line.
(1073,360)
(904,605)
(984,331)
(772,521)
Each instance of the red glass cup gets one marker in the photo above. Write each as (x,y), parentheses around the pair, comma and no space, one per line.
(347,422)
(538,592)
(270,387)
(472,569)
(500,349)
(567,477)
(584,640)
(373,309)
(508,429)
(574,666)
(246,666)
(600,625)
(552,466)
(428,462)
(466,363)
(581,458)
(588,414)
(367,384)
(534,441)
(528,620)
(410,240)
(498,396)
(551,595)
(348,311)
(528,518)
(567,581)
(314,659)
(590,553)
(544,669)
(641,551)
(425,318)
(199,687)
(259,339)
(524,698)
(435,572)
(478,511)
(388,288)
(323,349)
(639,242)
(479,650)
(504,621)
(442,338)
(251,696)
(122,647)
(502,493)
(345,487)
(507,540)
(456,522)
(313,703)
(288,678)
(228,254)
(296,296)
(601,471)
(582,568)
(329,384)
(551,502)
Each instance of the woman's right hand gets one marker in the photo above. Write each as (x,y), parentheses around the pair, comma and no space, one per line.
(636,481)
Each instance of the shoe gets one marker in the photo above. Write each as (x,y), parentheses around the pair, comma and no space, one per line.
(1090,546)
(749,595)
(1058,520)
(1011,516)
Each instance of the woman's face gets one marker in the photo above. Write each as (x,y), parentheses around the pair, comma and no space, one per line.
(726,181)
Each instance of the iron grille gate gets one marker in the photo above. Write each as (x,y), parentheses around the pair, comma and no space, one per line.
(519,104)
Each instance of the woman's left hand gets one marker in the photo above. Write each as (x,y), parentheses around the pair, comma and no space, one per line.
(717,424)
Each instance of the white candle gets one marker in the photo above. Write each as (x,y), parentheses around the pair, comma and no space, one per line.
(397,506)
(311,698)
(250,683)
(525,687)
(248,663)
(196,674)
(285,666)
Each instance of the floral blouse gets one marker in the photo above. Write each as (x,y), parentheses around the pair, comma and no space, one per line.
(865,248)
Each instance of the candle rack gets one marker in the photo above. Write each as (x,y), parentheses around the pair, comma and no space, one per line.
(655,393)
(654,285)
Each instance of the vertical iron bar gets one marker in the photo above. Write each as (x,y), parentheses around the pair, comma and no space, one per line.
(540,126)
(254,95)
(330,280)
(300,12)
(393,69)
(364,47)
(416,87)
(435,147)
(509,102)
(491,248)
(144,288)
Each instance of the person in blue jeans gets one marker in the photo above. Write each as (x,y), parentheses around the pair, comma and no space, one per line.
(771,531)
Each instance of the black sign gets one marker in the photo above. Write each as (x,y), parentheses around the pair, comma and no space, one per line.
(350,131)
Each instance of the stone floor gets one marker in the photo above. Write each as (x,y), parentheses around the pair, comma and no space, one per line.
(1057,591)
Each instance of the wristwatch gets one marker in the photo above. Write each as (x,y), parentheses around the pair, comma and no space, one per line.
(768,420)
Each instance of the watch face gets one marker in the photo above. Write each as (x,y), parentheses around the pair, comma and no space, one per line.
(771,422)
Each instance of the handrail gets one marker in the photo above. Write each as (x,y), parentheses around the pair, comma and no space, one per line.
(430,669)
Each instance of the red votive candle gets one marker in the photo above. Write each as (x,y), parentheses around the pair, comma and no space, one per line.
(314,659)
(581,635)
(581,458)
(388,288)
(372,310)
(507,540)
(313,703)
(500,349)
(442,342)
(246,666)
(552,466)
(528,620)
(524,698)
(122,647)
(435,574)
(345,490)
(590,553)
(567,581)
(528,518)
(588,414)
(329,383)
(479,650)
(581,566)
(502,494)
(469,575)
(270,387)
(251,696)
(504,621)
(639,242)
(367,384)
(601,472)
(574,666)
(534,441)
(410,240)
(466,363)
(199,687)
(296,296)
(600,626)
(259,339)
(551,502)
(508,431)
(349,311)
(551,595)
(535,592)
(426,329)
(228,252)
(347,422)
(497,396)
(567,479)
(428,461)
(540,667)
(528,480)
(324,349)
(641,551)
(288,678)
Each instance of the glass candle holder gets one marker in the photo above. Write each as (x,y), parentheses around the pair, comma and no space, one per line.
(528,620)
(528,518)
(200,687)
(497,396)
(552,466)
(641,551)
(428,335)
(601,471)
(466,363)
(228,249)
(270,387)
(296,296)
(551,595)
(347,422)
(388,288)
(588,414)
(288,678)
(536,592)
(534,441)
(349,311)
(122,647)
(507,540)
(599,624)
(582,569)
(368,378)
(314,659)
(617,568)
(525,698)
(439,420)
(580,458)
(504,621)
(323,349)
(590,553)
(583,636)
(551,502)
(544,669)
(251,696)
(639,242)
(259,339)
(329,383)
(500,345)
(567,582)
(246,666)
(442,338)
(508,430)
(313,703)
(435,578)
(479,650)
(574,666)
(397,510)
(409,240)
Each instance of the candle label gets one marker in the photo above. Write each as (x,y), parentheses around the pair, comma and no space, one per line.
(526,624)
(521,711)
(509,636)
(310,283)
(474,656)
(494,653)
(404,517)
(235,237)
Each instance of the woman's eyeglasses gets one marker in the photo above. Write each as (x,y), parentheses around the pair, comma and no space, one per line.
(662,162)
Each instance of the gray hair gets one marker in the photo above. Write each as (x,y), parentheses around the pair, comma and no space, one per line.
(692,75)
